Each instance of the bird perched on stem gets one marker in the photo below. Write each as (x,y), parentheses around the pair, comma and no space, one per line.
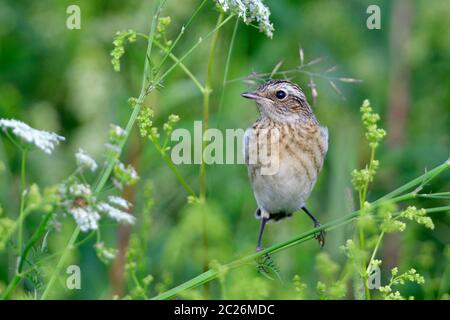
(284,151)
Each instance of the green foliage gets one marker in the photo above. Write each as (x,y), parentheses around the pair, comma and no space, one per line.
(361,178)
(118,51)
(6,228)
(193,68)
(388,293)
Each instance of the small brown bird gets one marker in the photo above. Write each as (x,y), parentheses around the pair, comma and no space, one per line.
(288,133)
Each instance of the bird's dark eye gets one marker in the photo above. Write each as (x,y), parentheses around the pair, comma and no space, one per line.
(280,94)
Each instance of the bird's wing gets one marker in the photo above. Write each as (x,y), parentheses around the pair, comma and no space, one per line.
(324,132)
(245,145)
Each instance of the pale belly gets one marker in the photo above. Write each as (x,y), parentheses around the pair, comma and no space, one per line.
(285,191)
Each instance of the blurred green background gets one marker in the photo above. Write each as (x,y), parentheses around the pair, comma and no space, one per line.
(61,80)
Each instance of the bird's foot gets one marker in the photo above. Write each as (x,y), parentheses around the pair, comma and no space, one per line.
(319,236)
(264,263)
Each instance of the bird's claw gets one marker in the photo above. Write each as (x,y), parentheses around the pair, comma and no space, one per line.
(319,236)
(263,262)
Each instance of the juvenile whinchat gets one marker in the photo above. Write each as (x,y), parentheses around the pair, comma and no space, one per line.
(299,150)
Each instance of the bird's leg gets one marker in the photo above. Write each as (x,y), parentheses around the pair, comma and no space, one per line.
(320,237)
(264,218)
(266,259)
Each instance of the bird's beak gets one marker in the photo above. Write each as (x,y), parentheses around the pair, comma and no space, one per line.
(251,95)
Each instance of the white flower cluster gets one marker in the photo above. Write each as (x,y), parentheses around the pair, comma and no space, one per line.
(124,175)
(115,213)
(46,141)
(249,11)
(119,201)
(105,254)
(117,136)
(85,217)
(84,208)
(78,204)
(80,190)
(85,160)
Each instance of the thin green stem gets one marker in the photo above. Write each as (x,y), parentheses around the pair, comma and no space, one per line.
(363,262)
(206,99)
(19,275)
(200,40)
(362,201)
(180,34)
(173,168)
(60,263)
(56,254)
(22,201)
(225,74)
(182,66)
(419,181)
(202,174)
(375,250)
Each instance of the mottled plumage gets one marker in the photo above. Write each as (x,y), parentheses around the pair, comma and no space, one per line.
(300,148)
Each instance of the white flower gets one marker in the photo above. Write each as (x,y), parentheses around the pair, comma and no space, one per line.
(249,11)
(44,140)
(114,149)
(116,214)
(120,202)
(80,190)
(118,131)
(84,160)
(125,175)
(85,217)
(106,253)
(129,171)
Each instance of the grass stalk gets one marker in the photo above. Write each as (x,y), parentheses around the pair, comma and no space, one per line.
(23,165)
(226,70)
(207,88)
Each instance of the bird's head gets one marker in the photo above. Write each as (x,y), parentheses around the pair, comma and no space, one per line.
(282,101)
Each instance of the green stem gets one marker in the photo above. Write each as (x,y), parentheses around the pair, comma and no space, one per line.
(419,181)
(200,40)
(173,168)
(364,263)
(180,34)
(362,201)
(225,74)
(206,100)
(182,66)
(206,97)
(19,272)
(22,201)
(60,263)
(375,250)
